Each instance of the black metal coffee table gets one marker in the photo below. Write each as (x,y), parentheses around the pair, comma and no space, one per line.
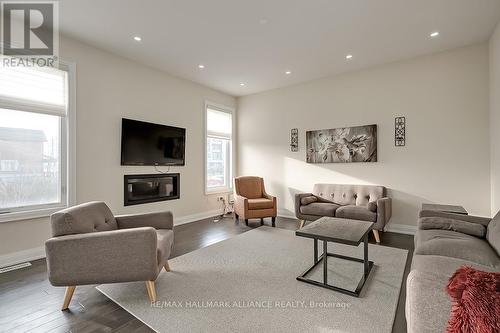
(336,230)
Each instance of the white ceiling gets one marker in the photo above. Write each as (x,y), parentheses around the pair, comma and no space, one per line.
(256,41)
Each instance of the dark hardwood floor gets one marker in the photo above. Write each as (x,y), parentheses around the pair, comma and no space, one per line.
(28,303)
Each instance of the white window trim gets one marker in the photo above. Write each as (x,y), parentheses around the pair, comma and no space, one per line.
(229,188)
(70,158)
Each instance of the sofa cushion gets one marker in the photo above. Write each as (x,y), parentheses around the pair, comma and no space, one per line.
(260,203)
(456,245)
(493,233)
(165,241)
(444,266)
(427,280)
(320,209)
(427,304)
(372,206)
(356,213)
(469,228)
(308,200)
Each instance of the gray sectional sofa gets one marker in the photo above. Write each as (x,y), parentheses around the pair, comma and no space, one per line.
(357,202)
(443,243)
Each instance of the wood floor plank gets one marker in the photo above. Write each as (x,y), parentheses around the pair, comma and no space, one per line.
(60,324)
(132,325)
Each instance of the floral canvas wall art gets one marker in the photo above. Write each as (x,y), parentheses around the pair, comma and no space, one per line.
(342,145)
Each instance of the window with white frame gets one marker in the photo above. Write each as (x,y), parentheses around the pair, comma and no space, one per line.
(219,149)
(34,139)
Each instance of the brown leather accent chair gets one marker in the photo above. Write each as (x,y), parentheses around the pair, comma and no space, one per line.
(251,200)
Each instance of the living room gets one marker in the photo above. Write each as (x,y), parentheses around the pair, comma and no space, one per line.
(369,126)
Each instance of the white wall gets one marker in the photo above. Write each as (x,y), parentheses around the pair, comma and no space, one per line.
(495,119)
(109,88)
(446,160)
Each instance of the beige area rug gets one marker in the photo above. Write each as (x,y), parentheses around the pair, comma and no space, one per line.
(248,284)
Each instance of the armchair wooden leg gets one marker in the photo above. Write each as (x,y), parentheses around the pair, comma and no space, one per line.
(246,222)
(167,266)
(377,236)
(302,222)
(150,286)
(67,297)
(274,221)
(261,221)
(236,217)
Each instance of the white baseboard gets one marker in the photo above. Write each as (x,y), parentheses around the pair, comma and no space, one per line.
(22,256)
(391,227)
(39,252)
(286,213)
(196,217)
(401,228)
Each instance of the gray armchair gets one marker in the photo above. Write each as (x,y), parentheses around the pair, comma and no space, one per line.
(91,246)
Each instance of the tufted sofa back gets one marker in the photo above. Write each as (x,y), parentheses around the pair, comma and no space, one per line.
(88,217)
(344,194)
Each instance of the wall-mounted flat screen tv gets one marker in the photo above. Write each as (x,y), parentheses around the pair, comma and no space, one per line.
(152,144)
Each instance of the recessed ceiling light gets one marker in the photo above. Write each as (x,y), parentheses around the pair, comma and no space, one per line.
(434,34)
(242,84)
(349,56)
(288,72)
(200,66)
(137,38)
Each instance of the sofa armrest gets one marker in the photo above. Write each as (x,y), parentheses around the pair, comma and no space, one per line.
(384,212)
(270,197)
(460,217)
(102,257)
(160,220)
(298,198)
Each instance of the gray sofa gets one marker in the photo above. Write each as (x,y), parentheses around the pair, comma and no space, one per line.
(91,246)
(357,202)
(443,243)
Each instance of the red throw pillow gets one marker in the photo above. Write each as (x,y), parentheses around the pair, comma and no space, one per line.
(476,301)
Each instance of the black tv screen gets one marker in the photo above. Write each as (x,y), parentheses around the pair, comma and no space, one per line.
(152,144)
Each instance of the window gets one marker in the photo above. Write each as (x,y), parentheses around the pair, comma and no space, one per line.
(34,141)
(219,149)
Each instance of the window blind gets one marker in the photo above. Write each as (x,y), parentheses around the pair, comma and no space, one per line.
(40,90)
(219,124)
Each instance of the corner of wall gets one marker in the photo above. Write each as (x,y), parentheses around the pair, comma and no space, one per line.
(494,53)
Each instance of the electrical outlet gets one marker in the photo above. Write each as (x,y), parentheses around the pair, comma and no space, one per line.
(220,198)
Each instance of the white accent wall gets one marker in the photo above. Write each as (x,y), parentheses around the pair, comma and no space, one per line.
(444,98)
(495,119)
(108,88)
